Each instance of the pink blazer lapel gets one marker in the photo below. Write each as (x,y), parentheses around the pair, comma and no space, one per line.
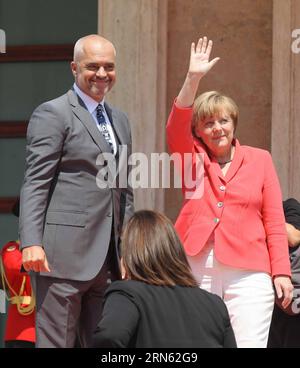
(214,168)
(236,162)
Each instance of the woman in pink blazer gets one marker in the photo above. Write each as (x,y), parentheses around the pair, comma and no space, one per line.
(234,232)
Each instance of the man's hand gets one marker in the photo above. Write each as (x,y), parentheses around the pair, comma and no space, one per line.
(199,59)
(284,288)
(293,235)
(34,259)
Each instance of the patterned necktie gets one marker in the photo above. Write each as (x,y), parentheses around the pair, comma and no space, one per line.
(103,126)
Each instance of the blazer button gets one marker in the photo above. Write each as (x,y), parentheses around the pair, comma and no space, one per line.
(109,214)
(216,220)
(222,188)
(220,204)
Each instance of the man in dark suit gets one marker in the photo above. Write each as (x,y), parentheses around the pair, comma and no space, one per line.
(70,222)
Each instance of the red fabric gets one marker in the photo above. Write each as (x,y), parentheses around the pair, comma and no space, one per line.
(18,327)
(250,232)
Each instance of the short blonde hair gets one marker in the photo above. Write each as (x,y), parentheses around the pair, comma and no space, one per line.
(212,103)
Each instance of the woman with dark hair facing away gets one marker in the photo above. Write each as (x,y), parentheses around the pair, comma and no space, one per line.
(159,305)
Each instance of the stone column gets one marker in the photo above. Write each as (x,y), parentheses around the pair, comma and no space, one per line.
(138,29)
(286,96)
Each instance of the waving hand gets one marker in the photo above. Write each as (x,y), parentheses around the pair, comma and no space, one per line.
(199,60)
(199,66)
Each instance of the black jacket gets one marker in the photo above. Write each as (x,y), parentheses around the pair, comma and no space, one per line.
(146,316)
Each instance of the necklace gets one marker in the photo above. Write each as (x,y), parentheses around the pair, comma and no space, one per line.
(224,163)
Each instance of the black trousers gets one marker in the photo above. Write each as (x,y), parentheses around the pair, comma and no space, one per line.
(284,330)
(18,344)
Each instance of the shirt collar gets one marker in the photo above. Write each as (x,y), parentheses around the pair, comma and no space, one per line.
(89,102)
